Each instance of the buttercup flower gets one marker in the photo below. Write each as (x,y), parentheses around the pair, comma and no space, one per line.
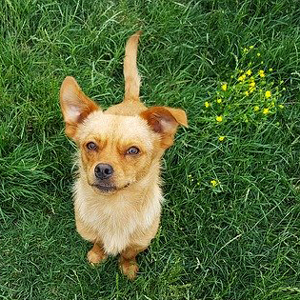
(242,77)
(219,118)
(281,106)
(251,90)
(224,87)
(268,94)
(252,84)
(249,72)
(247,93)
(271,69)
(207,104)
(214,183)
(221,138)
(256,108)
(261,73)
(266,111)
(219,100)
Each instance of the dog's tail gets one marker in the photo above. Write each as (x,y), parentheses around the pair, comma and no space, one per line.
(131,75)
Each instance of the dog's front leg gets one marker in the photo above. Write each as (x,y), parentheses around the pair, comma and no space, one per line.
(96,254)
(128,263)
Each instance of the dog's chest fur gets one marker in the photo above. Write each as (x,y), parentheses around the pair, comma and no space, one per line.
(117,220)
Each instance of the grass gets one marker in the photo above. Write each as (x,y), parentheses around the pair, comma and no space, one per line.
(237,240)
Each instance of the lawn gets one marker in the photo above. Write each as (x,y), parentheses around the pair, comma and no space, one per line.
(231,220)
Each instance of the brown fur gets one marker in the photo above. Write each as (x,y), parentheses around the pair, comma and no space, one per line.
(124,218)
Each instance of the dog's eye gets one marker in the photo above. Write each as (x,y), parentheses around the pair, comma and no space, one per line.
(91,146)
(133,151)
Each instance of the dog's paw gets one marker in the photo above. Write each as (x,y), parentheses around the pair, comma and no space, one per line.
(95,257)
(129,267)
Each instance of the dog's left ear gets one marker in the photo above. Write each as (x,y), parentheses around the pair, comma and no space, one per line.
(75,105)
(165,120)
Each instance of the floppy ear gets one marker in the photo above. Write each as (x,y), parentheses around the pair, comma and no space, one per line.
(165,120)
(75,105)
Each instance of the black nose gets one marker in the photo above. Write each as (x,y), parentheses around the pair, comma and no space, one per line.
(103,171)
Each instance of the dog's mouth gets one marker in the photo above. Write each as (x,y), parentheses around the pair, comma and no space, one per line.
(105,188)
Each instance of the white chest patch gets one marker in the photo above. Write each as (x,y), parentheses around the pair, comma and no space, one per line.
(115,222)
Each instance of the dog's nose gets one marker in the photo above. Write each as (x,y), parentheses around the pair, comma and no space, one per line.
(103,171)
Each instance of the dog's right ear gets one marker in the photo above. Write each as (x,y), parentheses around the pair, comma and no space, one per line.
(75,105)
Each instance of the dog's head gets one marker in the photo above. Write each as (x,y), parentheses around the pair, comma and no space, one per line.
(116,151)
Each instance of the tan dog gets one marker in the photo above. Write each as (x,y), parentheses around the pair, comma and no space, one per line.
(117,193)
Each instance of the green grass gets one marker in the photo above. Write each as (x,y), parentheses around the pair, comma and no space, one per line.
(239,240)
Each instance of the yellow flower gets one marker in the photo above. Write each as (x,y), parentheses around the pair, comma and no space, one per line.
(242,77)
(251,90)
(268,94)
(219,118)
(224,87)
(214,183)
(252,84)
(256,108)
(281,106)
(261,73)
(207,104)
(247,93)
(258,54)
(219,100)
(221,138)
(266,111)
(249,72)
(271,69)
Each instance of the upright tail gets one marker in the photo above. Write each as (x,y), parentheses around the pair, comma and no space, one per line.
(131,75)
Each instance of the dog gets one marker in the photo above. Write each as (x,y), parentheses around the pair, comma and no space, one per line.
(117,195)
